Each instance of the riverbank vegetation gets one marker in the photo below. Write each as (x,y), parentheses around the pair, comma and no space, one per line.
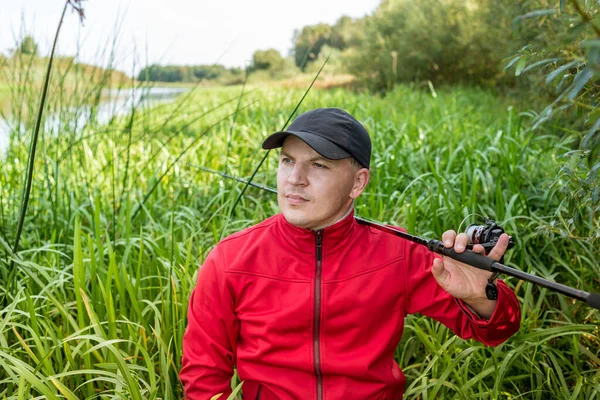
(23,72)
(121,217)
(122,213)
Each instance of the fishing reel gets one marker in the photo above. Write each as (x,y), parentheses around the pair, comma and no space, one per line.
(486,235)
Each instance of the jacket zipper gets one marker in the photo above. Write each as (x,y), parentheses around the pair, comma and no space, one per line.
(259,392)
(317,314)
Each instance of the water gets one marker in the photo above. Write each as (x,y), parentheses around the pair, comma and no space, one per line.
(116,102)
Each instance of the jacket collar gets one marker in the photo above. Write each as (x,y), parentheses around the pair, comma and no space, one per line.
(304,239)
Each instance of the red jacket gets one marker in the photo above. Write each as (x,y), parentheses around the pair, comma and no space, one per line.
(317,315)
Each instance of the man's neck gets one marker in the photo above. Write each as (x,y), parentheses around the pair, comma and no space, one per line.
(338,220)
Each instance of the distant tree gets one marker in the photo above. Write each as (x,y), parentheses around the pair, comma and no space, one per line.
(446,41)
(266,59)
(236,71)
(208,72)
(347,32)
(335,61)
(28,46)
(148,73)
(177,73)
(309,41)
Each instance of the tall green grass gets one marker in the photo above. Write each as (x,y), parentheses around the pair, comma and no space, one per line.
(120,221)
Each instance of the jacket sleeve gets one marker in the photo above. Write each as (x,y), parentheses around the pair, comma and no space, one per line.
(427,297)
(209,342)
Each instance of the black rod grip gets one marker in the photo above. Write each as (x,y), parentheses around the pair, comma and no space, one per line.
(480,261)
(467,257)
(594,300)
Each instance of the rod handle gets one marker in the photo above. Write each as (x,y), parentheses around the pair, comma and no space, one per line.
(593,300)
(467,257)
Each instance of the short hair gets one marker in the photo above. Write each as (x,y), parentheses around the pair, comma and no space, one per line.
(355,163)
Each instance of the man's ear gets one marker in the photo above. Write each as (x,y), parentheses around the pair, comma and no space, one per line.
(361,178)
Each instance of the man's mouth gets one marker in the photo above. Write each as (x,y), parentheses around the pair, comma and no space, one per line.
(295,199)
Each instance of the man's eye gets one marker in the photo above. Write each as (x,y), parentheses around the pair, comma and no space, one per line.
(320,166)
(286,160)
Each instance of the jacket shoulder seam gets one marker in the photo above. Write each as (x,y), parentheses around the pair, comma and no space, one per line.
(241,234)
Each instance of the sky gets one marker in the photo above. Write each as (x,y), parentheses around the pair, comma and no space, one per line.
(181,32)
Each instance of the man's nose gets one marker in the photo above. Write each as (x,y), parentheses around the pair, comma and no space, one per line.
(298,176)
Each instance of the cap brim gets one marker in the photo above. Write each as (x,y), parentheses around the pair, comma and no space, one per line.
(321,145)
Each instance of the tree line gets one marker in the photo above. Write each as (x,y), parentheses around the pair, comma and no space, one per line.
(546,49)
(194,73)
(449,41)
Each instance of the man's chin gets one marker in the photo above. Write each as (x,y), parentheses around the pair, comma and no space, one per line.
(297,218)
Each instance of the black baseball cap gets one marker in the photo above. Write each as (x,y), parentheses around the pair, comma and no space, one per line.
(331,132)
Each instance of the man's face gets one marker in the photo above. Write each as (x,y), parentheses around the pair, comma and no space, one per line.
(313,191)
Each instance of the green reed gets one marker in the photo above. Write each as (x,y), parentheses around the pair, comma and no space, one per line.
(120,221)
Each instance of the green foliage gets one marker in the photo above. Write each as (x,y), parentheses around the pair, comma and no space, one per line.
(156,73)
(578,185)
(273,67)
(266,59)
(99,306)
(121,218)
(347,32)
(335,64)
(446,41)
(28,46)
(195,73)
(309,42)
(3,60)
(563,57)
(208,71)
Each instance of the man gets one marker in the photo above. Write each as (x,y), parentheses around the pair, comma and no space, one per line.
(308,304)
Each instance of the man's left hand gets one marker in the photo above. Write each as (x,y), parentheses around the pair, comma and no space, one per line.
(464,281)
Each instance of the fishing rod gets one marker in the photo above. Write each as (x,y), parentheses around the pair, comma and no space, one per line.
(486,235)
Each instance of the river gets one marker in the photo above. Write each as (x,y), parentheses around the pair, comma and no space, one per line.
(115,102)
